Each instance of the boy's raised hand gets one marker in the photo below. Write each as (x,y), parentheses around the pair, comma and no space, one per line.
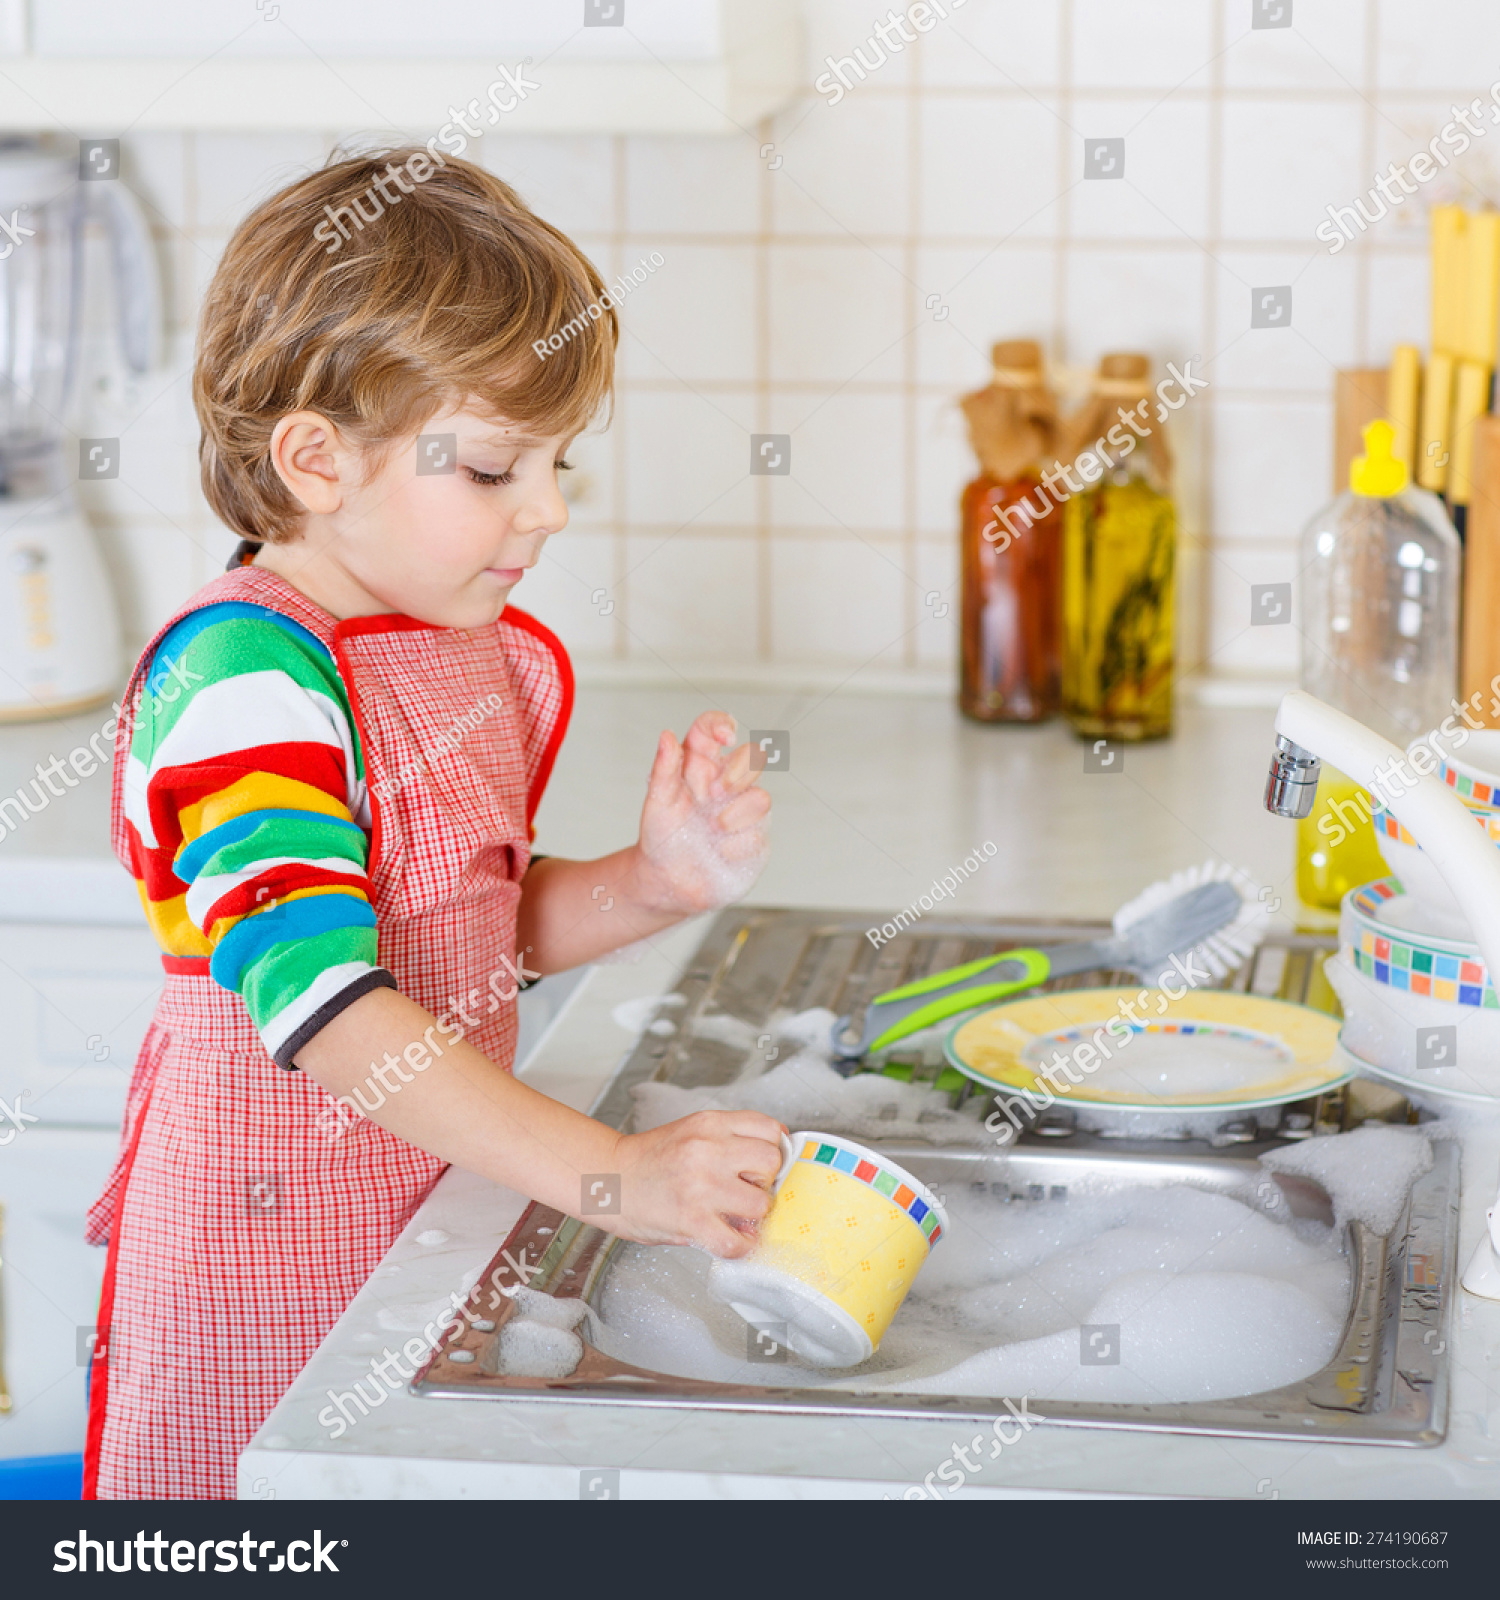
(703,827)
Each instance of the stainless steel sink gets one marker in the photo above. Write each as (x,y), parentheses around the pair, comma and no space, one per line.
(1387,1383)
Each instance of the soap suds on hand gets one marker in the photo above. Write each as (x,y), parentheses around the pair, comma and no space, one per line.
(699,844)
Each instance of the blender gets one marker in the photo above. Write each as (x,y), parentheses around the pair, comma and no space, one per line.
(60,639)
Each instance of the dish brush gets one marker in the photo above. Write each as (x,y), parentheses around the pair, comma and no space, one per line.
(1200,925)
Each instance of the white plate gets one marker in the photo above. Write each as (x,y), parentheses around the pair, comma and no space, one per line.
(1287,1052)
(1425,1085)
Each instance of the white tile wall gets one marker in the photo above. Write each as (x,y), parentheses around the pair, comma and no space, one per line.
(840,598)
(989,165)
(1416,53)
(839,274)
(1164,195)
(1324,50)
(1146,44)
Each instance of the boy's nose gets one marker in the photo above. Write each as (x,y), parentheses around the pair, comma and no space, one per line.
(544,514)
(538,534)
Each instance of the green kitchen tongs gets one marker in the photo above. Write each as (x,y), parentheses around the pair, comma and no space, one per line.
(1172,928)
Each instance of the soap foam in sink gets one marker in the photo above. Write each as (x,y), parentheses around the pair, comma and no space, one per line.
(1211,1297)
(809,1030)
(635,1016)
(1368,1172)
(803,1091)
(1208,1296)
(787,1075)
(535,1350)
(540,1339)
(1159,1337)
(721,1028)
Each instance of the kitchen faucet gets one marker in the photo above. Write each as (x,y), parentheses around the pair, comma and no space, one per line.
(1308,732)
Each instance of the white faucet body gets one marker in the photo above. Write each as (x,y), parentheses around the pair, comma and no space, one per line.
(1424,805)
(1440,823)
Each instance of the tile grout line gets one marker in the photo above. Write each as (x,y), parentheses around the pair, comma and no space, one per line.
(619,455)
(910,615)
(764,530)
(190,210)
(1278,394)
(1151,94)
(1062,244)
(1197,643)
(1174,242)
(1362,260)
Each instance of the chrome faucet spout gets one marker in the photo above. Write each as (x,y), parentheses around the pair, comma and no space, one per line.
(1435,817)
(1292,783)
(1423,804)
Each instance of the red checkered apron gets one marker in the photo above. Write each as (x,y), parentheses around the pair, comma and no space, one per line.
(241,1216)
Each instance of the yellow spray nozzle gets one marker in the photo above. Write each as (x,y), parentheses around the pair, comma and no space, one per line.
(1378,473)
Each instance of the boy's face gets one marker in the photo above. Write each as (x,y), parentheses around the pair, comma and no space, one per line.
(450,522)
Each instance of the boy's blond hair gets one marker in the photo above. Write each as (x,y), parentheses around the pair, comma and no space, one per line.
(379,291)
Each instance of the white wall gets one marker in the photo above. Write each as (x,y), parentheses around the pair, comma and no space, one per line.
(795,298)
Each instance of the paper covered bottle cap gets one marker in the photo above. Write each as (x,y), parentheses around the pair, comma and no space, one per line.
(1017,364)
(1125,365)
(1123,375)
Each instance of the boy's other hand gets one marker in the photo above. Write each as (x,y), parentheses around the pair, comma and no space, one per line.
(703,827)
(702,1180)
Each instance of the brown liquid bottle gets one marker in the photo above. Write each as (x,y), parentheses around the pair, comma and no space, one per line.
(1012,548)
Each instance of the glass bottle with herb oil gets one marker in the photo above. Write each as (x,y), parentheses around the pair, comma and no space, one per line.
(1119,558)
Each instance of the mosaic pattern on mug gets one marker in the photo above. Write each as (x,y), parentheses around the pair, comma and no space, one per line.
(1403,960)
(893,1188)
(1386,824)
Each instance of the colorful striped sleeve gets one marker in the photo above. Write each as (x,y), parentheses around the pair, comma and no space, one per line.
(246,805)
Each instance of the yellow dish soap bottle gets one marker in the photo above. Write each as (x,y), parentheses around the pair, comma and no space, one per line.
(1380,582)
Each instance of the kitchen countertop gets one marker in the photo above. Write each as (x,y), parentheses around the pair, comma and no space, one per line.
(883,794)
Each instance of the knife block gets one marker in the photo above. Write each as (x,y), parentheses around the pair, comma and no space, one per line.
(1359,396)
(1479,662)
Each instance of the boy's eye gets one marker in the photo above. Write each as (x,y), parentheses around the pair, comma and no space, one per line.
(489,480)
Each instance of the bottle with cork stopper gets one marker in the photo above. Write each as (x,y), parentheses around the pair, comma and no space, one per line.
(1010,667)
(1119,558)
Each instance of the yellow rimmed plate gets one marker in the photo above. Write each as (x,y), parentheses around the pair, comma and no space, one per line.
(1208,1050)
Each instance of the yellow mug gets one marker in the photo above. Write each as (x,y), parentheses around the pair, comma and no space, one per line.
(845,1236)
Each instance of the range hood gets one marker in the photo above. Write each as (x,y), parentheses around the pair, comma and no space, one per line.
(593,66)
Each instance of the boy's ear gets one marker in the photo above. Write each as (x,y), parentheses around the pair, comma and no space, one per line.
(306,451)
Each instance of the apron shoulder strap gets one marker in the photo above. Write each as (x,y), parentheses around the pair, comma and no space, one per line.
(542,677)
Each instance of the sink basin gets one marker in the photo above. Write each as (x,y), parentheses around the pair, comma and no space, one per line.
(1387,1382)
